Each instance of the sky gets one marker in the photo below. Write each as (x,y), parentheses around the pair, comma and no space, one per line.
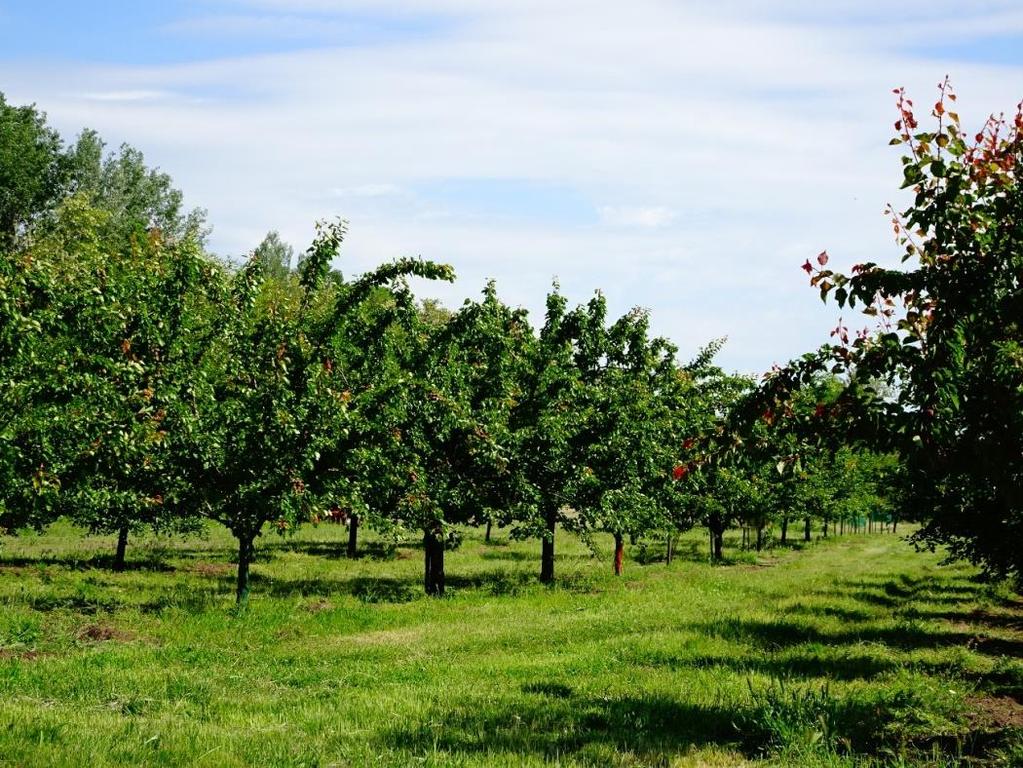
(685,156)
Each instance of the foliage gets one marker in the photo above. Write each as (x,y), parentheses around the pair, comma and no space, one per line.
(947,350)
(274,256)
(270,392)
(33,170)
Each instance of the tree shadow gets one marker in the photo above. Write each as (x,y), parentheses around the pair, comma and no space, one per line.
(498,583)
(98,561)
(833,612)
(783,634)
(377,589)
(338,550)
(512,555)
(552,722)
(808,666)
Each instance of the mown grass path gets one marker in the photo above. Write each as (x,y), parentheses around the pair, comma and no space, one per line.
(849,652)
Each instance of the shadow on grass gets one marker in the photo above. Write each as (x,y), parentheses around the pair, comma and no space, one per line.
(338,550)
(832,612)
(379,589)
(551,722)
(512,555)
(908,636)
(99,561)
(805,666)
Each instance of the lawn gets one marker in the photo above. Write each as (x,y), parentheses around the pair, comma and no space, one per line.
(853,651)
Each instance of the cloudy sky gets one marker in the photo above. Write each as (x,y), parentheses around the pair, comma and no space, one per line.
(681,155)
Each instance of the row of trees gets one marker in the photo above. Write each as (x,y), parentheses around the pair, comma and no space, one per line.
(145,383)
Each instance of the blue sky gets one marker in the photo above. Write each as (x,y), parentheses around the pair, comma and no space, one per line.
(146,33)
(684,156)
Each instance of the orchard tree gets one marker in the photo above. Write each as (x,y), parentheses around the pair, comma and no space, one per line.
(438,447)
(545,423)
(940,380)
(270,393)
(631,387)
(122,356)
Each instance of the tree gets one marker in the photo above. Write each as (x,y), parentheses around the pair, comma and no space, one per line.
(633,394)
(270,393)
(274,256)
(948,348)
(545,423)
(122,356)
(445,434)
(33,168)
(135,195)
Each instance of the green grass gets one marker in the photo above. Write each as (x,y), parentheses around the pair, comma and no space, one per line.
(857,651)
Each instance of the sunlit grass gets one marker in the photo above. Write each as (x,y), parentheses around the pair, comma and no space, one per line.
(847,652)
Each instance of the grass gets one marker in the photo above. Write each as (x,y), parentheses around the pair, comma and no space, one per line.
(857,651)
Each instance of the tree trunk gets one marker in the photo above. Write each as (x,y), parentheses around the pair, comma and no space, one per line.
(433,563)
(122,545)
(784,529)
(547,552)
(353,535)
(667,550)
(244,560)
(717,536)
(841,526)
(619,553)
(760,537)
(806,529)
(895,523)
(427,559)
(490,524)
(825,529)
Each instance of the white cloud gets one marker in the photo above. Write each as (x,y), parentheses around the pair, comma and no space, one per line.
(137,95)
(722,143)
(652,217)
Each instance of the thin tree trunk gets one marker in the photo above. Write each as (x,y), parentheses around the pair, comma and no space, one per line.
(433,563)
(806,529)
(427,563)
(841,526)
(619,553)
(353,535)
(547,551)
(667,550)
(717,535)
(784,529)
(895,523)
(490,524)
(825,529)
(122,545)
(760,537)
(437,565)
(244,560)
